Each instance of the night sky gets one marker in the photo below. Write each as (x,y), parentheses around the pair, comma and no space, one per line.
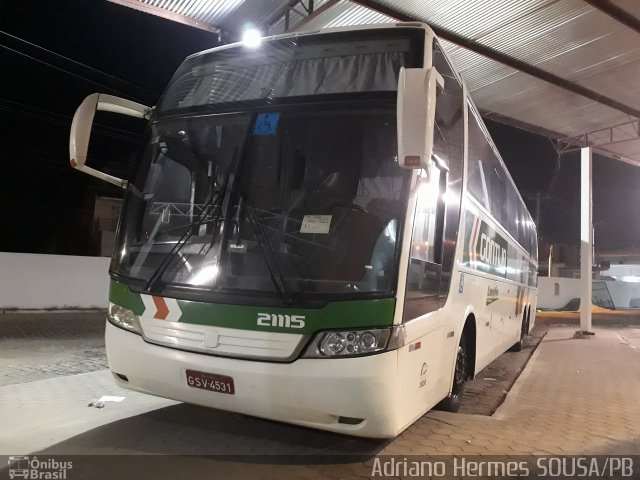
(96,46)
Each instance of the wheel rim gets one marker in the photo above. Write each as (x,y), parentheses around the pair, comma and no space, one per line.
(461,372)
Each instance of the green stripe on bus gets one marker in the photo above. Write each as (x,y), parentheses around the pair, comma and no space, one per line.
(339,314)
(120,294)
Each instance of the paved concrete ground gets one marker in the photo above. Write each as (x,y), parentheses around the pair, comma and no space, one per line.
(575,396)
(490,387)
(37,346)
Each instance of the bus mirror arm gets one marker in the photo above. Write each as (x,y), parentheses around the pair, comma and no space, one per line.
(418,89)
(81,130)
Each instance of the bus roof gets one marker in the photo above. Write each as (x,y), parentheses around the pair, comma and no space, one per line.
(379,26)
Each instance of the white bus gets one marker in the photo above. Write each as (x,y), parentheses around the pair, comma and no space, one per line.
(318,231)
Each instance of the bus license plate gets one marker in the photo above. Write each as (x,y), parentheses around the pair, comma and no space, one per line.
(210,381)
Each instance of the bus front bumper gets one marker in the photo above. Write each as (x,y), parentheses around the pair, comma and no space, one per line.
(328,394)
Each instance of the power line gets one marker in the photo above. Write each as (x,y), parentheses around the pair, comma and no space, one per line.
(26,147)
(36,113)
(147,92)
(118,165)
(38,163)
(62,116)
(102,85)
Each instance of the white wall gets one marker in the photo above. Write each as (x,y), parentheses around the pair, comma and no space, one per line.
(568,288)
(53,281)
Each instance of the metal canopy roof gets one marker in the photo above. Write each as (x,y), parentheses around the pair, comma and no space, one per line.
(569,69)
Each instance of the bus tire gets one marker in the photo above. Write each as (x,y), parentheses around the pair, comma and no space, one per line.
(453,401)
(524,329)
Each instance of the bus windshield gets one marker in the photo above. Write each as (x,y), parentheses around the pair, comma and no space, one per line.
(301,200)
(341,63)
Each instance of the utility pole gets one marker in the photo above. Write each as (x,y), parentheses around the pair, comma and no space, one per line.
(537,209)
(586,242)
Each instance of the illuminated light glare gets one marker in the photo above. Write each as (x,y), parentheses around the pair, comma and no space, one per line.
(630,279)
(205,275)
(424,189)
(428,188)
(390,230)
(449,198)
(251,38)
(186,263)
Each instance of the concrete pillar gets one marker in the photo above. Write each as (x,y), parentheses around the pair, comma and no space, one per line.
(586,241)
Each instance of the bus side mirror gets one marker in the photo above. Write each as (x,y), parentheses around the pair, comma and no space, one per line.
(417,92)
(81,130)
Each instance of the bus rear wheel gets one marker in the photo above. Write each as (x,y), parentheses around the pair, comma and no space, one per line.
(524,330)
(452,402)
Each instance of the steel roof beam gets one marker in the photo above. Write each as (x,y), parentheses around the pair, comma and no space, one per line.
(615,12)
(167,14)
(278,13)
(309,14)
(315,13)
(505,59)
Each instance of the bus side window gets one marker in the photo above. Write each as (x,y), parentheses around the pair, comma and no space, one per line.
(429,274)
(491,185)
(448,146)
(476,176)
(425,264)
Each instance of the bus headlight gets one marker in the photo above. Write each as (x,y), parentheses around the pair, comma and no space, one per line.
(351,343)
(123,318)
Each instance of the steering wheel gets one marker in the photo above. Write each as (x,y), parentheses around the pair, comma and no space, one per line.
(347,208)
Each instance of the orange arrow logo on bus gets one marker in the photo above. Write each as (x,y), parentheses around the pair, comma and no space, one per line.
(162,309)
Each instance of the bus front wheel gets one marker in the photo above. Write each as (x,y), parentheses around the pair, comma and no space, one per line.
(453,401)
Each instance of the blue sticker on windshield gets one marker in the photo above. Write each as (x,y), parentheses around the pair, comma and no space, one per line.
(266,123)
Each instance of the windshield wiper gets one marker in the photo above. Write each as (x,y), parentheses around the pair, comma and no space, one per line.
(266,250)
(209,207)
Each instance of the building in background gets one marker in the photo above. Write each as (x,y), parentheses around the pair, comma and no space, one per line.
(105,219)
(624,265)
